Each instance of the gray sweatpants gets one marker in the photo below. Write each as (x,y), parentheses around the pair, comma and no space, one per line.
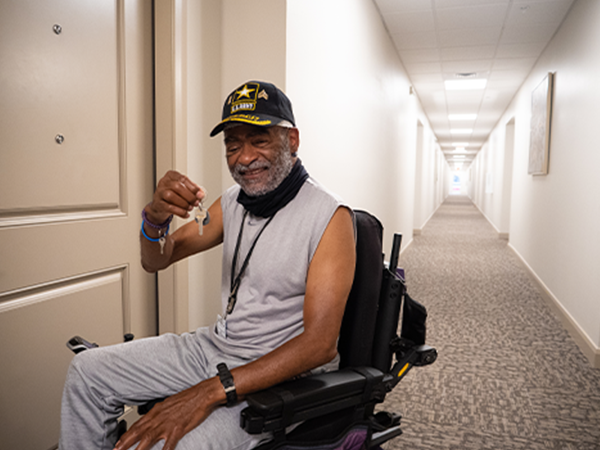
(101,381)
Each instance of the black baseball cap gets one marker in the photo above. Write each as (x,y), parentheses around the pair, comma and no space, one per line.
(256,103)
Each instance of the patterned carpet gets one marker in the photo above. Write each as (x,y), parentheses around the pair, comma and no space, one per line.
(508,375)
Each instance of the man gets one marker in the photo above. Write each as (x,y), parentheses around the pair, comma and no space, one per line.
(288,258)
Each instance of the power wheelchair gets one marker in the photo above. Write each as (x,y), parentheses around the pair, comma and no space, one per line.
(336,410)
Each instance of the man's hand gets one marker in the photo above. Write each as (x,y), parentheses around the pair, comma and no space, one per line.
(173,418)
(175,194)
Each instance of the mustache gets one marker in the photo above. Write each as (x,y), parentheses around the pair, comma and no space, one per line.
(240,169)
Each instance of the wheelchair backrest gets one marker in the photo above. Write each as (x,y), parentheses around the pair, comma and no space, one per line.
(360,318)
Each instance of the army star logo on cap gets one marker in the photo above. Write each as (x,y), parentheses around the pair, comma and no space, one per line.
(245,98)
(245,92)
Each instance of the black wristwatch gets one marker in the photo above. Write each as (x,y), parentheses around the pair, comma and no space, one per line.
(227,382)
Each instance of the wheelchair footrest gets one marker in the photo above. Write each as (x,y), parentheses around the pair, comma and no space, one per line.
(379,437)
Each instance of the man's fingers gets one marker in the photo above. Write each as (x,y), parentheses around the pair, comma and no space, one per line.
(198,191)
(178,194)
(174,203)
(144,437)
(173,439)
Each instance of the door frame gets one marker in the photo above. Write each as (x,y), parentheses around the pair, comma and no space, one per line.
(170,92)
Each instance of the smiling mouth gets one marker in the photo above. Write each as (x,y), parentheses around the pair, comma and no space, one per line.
(252,172)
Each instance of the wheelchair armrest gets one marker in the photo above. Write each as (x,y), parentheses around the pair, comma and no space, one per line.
(305,398)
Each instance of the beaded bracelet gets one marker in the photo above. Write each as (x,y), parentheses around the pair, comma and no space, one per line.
(165,224)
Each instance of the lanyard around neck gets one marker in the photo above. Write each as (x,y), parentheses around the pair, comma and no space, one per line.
(235,281)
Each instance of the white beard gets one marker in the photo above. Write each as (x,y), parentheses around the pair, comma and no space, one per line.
(277,171)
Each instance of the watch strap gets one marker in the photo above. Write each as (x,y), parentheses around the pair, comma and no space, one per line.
(228,384)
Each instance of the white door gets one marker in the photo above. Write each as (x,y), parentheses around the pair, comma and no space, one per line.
(76,168)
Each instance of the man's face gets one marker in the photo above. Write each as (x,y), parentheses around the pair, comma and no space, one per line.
(260,158)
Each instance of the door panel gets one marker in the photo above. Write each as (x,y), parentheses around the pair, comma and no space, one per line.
(37,323)
(69,210)
(75,75)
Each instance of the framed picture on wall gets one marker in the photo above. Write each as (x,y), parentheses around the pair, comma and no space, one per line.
(541,115)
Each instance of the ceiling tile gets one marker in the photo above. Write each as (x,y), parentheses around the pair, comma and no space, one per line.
(460,108)
(529,34)
(479,16)
(419,56)
(537,12)
(520,50)
(454,3)
(466,53)
(467,66)
(390,6)
(417,40)
(506,79)
(429,86)
(514,63)
(470,99)
(468,36)
(410,22)
(428,67)
(435,77)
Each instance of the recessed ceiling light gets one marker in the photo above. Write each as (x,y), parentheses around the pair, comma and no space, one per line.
(461,130)
(459,156)
(465,85)
(462,116)
(460,144)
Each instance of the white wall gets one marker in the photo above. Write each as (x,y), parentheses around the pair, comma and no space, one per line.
(430,190)
(352,101)
(491,172)
(205,154)
(555,219)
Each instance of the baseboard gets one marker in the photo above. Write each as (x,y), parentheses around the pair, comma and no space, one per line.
(418,231)
(406,246)
(501,234)
(583,341)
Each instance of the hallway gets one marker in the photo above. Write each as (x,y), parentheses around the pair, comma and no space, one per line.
(508,375)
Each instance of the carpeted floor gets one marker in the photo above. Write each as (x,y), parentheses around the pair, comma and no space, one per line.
(508,376)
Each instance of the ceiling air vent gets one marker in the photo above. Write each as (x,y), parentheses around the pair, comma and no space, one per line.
(466,75)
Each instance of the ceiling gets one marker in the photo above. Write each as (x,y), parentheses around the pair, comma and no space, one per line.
(495,40)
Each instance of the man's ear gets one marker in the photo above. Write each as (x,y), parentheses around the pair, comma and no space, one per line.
(294,139)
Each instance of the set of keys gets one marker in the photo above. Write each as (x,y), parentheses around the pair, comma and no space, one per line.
(201,217)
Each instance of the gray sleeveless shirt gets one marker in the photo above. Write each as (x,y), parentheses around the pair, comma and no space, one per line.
(269,307)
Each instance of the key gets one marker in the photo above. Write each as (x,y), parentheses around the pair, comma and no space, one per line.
(202,218)
(162,241)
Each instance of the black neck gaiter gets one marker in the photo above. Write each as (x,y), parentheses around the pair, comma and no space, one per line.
(268,204)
